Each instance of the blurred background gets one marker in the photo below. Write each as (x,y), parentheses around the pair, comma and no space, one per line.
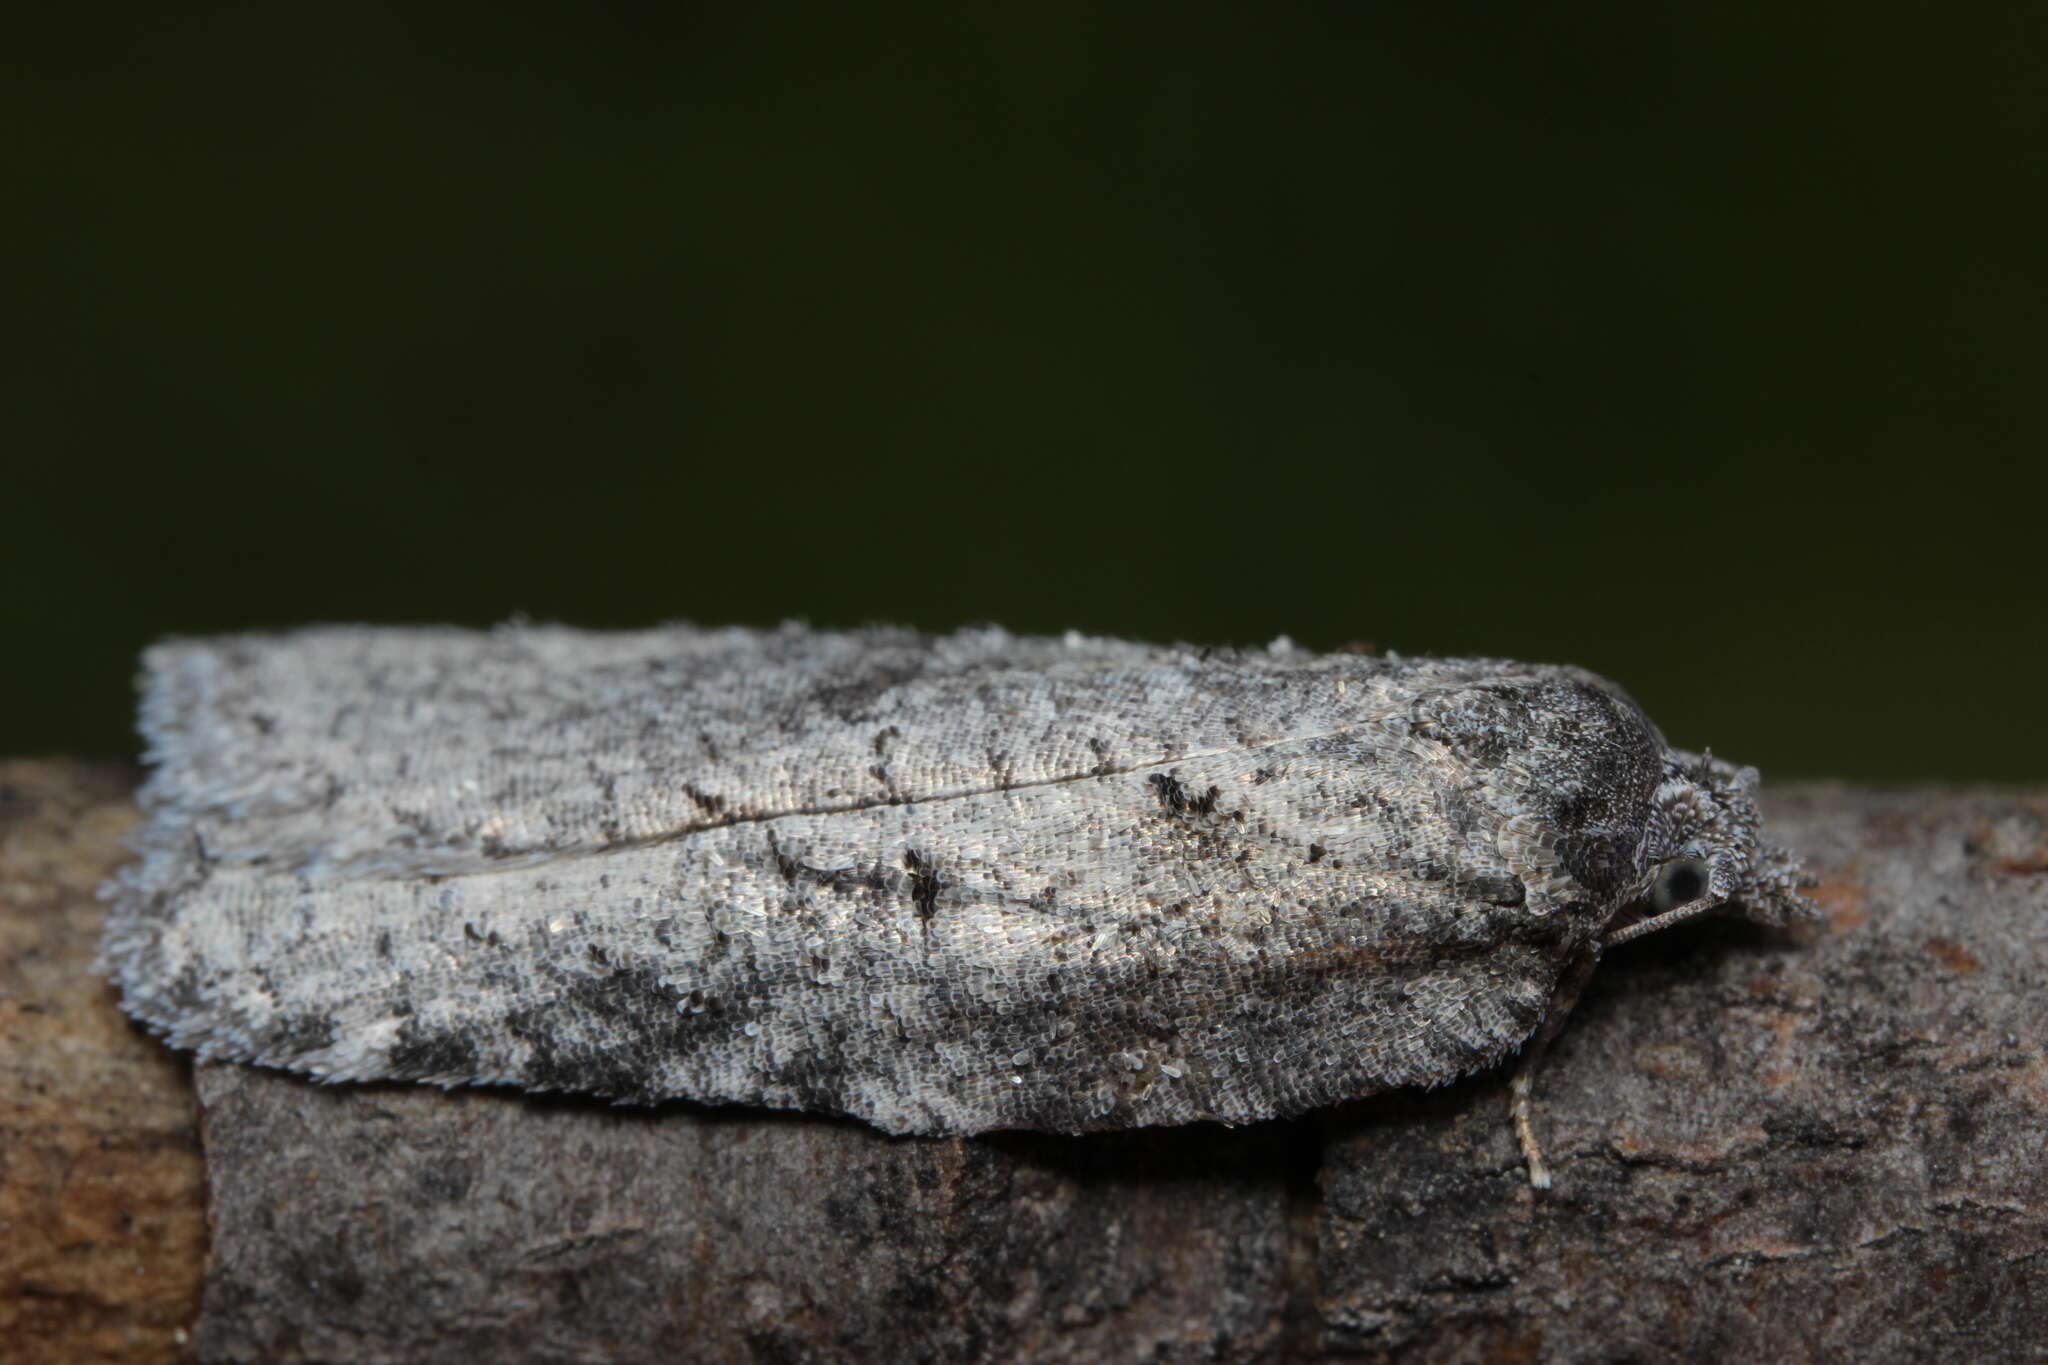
(1700,345)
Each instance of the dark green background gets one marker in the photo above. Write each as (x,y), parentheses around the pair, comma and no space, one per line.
(1699,346)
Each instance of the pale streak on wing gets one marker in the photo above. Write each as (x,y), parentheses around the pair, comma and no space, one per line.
(358,750)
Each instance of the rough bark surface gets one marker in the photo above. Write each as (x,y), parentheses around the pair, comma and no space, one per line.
(102,1222)
(1812,1147)
(1767,1150)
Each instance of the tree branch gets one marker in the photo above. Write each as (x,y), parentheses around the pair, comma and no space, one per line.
(1821,1145)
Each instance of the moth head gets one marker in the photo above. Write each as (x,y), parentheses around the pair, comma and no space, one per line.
(1703,853)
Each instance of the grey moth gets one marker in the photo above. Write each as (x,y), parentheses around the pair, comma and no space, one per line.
(946,884)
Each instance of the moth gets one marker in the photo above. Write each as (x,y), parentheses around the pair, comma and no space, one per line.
(946,884)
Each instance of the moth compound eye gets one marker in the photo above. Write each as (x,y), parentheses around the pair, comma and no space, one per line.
(1679,882)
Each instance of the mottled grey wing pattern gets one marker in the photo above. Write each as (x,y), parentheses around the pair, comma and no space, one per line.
(943,884)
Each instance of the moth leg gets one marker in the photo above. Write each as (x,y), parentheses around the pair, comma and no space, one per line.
(1521,1102)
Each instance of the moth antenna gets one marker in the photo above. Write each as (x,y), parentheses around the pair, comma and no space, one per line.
(1521,1090)
(1666,920)
(1519,1109)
